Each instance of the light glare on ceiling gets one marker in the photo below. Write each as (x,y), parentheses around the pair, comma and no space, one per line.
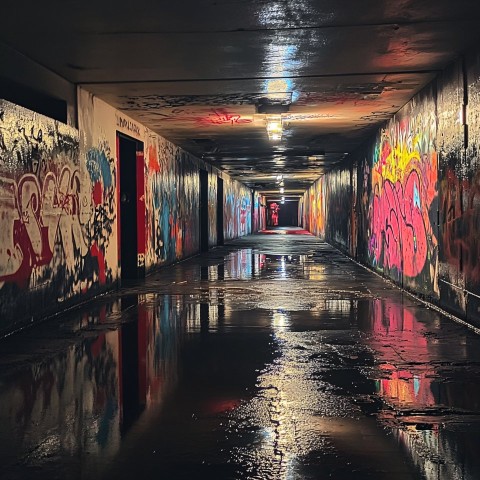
(274,127)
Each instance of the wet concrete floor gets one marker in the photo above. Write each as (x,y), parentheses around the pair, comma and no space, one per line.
(274,357)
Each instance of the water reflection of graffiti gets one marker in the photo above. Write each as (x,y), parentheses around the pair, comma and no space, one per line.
(402,385)
(238,265)
(74,397)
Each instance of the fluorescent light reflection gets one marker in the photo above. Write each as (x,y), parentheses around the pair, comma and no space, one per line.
(281,320)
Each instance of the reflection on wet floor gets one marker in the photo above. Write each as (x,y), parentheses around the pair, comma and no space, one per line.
(267,359)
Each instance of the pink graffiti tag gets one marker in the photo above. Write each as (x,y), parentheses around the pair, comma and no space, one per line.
(223,117)
(398,228)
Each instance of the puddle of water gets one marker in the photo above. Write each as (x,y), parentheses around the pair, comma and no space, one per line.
(273,380)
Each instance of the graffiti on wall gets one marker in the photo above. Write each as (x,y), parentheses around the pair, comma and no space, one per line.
(397,201)
(461,209)
(314,205)
(237,209)
(339,198)
(171,198)
(57,209)
(212,208)
(80,383)
(460,186)
(259,212)
(402,202)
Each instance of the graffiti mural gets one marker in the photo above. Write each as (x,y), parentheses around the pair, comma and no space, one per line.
(395,208)
(314,206)
(57,210)
(259,212)
(460,190)
(221,116)
(401,240)
(212,207)
(339,197)
(414,209)
(470,221)
(237,209)
(172,202)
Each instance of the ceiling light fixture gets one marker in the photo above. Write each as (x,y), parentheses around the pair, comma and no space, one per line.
(274,127)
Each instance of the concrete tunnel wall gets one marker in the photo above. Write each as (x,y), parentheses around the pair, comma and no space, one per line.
(59,228)
(407,204)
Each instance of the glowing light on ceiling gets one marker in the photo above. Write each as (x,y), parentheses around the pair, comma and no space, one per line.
(274,127)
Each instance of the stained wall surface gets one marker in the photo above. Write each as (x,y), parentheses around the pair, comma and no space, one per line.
(408,203)
(59,222)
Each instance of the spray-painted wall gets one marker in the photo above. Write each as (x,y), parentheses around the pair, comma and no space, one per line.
(212,206)
(172,189)
(459,188)
(259,212)
(401,204)
(411,207)
(57,214)
(314,208)
(171,201)
(59,228)
(237,209)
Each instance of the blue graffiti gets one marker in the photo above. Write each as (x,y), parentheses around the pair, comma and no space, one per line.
(98,167)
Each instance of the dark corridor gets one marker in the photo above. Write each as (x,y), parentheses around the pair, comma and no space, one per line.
(288,214)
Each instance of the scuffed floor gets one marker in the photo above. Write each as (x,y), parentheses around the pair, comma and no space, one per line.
(272,358)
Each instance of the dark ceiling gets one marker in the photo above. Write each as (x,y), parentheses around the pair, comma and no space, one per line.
(209,75)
